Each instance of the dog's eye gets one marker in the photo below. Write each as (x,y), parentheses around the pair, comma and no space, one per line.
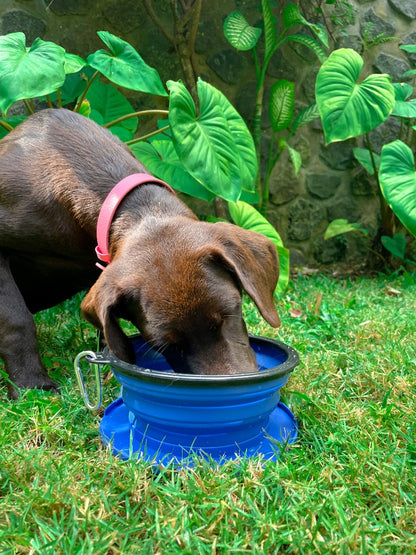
(216,323)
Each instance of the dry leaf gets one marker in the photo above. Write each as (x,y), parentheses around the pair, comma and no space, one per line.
(391,291)
(295,313)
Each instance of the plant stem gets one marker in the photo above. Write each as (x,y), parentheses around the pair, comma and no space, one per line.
(28,106)
(136,114)
(6,126)
(387,215)
(258,110)
(373,161)
(82,97)
(134,141)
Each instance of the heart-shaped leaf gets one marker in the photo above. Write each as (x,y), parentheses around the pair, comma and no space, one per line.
(398,182)
(396,244)
(248,217)
(282,101)
(214,146)
(239,33)
(28,73)
(108,104)
(160,159)
(124,66)
(347,108)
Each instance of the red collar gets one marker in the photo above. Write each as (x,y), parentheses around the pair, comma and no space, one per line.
(110,206)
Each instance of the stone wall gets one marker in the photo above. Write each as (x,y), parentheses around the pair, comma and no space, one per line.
(330,183)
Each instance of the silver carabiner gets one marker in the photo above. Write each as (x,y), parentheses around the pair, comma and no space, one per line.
(94,360)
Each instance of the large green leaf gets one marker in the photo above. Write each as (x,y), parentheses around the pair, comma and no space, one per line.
(282,101)
(108,104)
(239,33)
(398,182)
(248,217)
(28,73)
(160,159)
(124,66)
(347,108)
(214,146)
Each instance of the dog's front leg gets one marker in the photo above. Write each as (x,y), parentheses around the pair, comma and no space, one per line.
(18,343)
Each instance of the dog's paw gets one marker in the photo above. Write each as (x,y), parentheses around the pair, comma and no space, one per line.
(44,383)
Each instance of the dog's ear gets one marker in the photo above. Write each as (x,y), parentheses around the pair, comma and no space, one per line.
(253,259)
(102,307)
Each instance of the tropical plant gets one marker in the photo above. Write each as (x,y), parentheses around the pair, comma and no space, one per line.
(242,36)
(205,151)
(350,108)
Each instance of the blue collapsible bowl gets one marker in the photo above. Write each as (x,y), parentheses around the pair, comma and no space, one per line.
(162,415)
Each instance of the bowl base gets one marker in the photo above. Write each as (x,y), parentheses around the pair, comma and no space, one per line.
(125,441)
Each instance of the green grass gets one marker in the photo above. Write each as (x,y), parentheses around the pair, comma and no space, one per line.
(347,486)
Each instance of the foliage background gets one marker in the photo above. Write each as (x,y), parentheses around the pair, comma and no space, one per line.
(331,184)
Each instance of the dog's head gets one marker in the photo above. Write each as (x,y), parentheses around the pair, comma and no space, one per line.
(179,282)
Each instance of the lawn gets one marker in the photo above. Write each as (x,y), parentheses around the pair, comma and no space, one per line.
(346,486)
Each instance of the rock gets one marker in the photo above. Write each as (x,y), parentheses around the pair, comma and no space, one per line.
(308,84)
(280,68)
(304,217)
(69,7)
(384,133)
(127,15)
(393,66)
(245,101)
(410,39)
(363,184)
(343,207)
(228,65)
(372,26)
(329,251)
(338,156)
(407,8)
(19,20)
(322,185)
(350,41)
(297,258)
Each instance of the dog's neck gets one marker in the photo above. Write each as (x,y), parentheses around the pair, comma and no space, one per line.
(110,205)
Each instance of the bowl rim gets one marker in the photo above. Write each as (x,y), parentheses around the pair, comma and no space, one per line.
(147,374)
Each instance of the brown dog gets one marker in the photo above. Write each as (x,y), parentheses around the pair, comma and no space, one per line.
(178,280)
